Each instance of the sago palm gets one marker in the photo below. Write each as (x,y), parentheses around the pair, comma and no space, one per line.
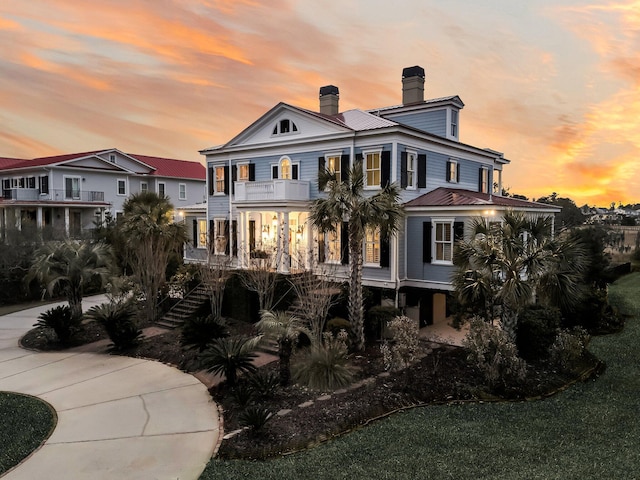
(347,201)
(230,356)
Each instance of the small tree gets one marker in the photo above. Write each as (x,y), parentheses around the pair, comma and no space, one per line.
(215,274)
(261,278)
(229,356)
(285,329)
(403,348)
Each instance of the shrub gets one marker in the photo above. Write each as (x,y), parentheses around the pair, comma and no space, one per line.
(60,320)
(118,319)
(229,356)
(242,394)
(537,329)
(263,383)
(594,314)
(495,356)
(401,351)
(255,417)
(198,332)
(377,319)
(568,348)
(324,366)
(336,324)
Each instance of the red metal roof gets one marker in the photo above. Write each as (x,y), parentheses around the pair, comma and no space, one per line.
(450,197)
(8,162)
(167,167)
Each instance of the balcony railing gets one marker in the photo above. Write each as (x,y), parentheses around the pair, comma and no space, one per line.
(272,190)
(33,194)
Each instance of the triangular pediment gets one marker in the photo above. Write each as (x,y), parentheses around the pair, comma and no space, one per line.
(286,123)
(110,160)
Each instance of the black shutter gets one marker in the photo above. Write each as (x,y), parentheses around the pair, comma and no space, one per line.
(195,233)
(321,254)
(458,173)
(227,247)
(212,181)
(344,243)
(321,167)
(212,236)
(480,180)
(458,231)
(449,171)
(385,174)
(234,237)
(226,179)
(274,172)
(294,172)
(344,168)
(234,178)
(252,236)
(426,242)
(384,251)
(422,171)
(403,170)
(252,172)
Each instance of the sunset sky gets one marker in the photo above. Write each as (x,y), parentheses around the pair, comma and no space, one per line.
(554,84)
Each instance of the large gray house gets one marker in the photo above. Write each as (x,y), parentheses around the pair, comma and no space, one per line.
(69,194)
(260,185)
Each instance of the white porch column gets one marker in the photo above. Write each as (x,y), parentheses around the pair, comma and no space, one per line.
(310,250)
(286,256)
(18,219)
(66,221)
(242,242)
(39,217)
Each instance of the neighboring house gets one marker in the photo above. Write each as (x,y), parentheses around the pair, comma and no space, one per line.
(261,183)
(69,194)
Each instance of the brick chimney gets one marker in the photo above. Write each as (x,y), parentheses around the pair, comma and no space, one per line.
(412,85)
(329,97)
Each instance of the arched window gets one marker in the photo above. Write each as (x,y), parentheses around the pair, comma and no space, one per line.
(285,168)
(284,126)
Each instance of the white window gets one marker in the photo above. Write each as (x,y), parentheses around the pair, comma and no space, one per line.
(161,189)
(144,187)
(454,123)
(443,241)
(122,186)
(112,158)
(484,180)
(333,245)
(372,169)
(72,188)
(372,246)
(284,126)
(497,182)
(333,165)
(243,172)
(182,191)
(31,182)
(219,180)
(412,160)
(202,233)
(452,171)
(285,168)
(221,239)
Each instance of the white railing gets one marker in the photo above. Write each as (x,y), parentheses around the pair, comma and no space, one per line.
(271,190)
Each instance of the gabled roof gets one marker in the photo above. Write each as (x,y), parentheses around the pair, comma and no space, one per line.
(455,99)
(161,167)
(458,197)
(356,119)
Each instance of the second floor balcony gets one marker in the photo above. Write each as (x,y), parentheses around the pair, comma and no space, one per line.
(271,190)
(56,195)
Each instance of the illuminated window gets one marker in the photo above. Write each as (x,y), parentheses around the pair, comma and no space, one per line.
(202,233)
(443,241)
(484,180)
(285,169)
(243,172)
(219,179)
(372,169)
(372,246)
(334,252)
(333,165)
(453,172)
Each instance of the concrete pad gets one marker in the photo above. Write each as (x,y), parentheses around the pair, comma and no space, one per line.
(105,421)
(185,409)
(25,360)
(136,458)
(13,334)
(137,378)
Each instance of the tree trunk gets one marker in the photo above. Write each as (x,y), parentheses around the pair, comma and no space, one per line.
(286,348)
(509,322)
(356,308)
(74,297)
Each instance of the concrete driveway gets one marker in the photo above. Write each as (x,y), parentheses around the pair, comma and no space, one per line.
(118,417)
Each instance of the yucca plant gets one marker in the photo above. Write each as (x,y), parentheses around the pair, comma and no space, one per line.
(324,366)
(229,356)
(198,332)
(118,319)
(60,320)
(255,417)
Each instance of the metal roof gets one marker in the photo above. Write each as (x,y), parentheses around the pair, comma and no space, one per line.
(450,197)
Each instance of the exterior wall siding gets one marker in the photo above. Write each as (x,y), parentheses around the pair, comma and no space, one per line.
(434,122)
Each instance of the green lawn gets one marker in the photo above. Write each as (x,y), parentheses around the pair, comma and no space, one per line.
(25,422)
(590,431)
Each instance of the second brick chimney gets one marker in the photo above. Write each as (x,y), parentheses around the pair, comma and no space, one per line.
(329,97)
(412,85)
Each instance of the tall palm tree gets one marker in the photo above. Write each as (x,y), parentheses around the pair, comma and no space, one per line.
(285,329)
(515,263)
(68,266)
(150,237)
(346,201)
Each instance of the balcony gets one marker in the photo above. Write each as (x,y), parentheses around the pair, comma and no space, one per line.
(34,195)
(272,190)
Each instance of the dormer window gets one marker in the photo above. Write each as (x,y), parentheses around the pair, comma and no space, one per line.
(284,126)
(454,123)
(112,158)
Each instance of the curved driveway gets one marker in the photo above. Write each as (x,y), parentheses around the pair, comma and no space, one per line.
(118,417)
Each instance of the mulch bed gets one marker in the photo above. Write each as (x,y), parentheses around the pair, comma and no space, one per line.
(442,375)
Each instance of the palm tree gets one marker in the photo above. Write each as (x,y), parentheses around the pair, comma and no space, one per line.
(150,237)
(346,201)
(69,266)
(285,329)
(516,263)
(229,356)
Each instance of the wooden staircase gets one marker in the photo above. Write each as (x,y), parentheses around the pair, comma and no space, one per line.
(185,308)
